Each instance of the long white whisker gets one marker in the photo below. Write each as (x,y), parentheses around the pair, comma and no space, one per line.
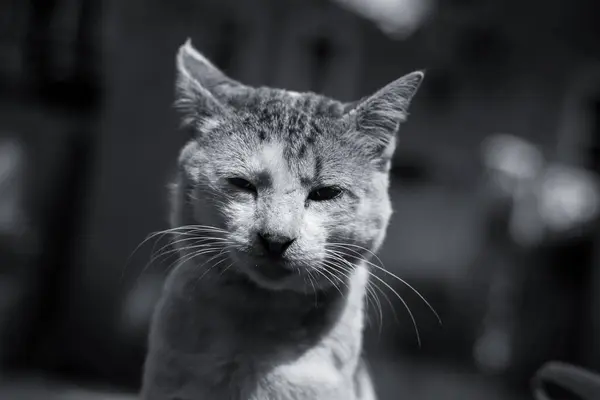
(222,252)
(226,268)
(188,247)
(175,230)
(188,257)
(211,268)
(329,265)
(332,282)
(310,279)
(187,239)
(380,268)
(189,232)
(412,317)
(346,272)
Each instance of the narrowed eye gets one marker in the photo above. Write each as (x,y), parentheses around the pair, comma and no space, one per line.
(241,183)
(325,193)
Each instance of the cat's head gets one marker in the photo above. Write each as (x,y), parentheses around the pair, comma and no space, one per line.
(294,185)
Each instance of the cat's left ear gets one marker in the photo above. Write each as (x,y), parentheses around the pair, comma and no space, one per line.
(374,121)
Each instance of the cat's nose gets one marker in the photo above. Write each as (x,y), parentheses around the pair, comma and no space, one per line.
(275,245)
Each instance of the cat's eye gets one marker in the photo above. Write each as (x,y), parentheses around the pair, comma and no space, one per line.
(325,193)
(242,183)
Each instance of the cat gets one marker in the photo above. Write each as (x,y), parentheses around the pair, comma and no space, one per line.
(280,200)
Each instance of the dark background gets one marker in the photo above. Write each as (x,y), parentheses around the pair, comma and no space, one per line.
(88,140)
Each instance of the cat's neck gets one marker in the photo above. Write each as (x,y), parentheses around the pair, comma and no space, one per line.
(231,302)
(212,338)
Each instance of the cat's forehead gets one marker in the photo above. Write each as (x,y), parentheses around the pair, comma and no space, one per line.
(283,136)
(278,101)
(276,168)
(286,114)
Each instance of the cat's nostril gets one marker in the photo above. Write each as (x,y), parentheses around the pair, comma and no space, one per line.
(275,245)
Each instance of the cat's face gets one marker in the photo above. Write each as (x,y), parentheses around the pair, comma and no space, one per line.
(297,184)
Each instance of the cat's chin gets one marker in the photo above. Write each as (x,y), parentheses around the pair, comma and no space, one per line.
(271,274)
(273,284)
(299,281)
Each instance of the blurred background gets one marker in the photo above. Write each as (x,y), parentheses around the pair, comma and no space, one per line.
(494,186)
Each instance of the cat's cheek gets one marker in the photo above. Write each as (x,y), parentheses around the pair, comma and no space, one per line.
(376,223)
(239,219)
(313,234)
(369,219)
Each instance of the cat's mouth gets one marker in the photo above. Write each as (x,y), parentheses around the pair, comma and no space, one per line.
(267,271)
(273,270)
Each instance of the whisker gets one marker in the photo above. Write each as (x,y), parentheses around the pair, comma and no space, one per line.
(226,268)
(194,254)
(332,282)
(380,268)
(335,254)
(175,230)
(310,279)
(211,268)
(222,252)
(182,260)
(188,247)
(328,265)
(176,250)
(187,237)
(346,272)
(184,230)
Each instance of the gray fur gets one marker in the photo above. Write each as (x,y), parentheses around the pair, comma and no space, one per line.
(222,330)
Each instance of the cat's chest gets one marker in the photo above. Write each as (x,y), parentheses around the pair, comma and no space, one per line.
(202,351)
(223,375)
(235,364)
(304,379)
(310,377)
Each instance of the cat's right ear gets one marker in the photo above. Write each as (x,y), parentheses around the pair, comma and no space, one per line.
(201,88)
